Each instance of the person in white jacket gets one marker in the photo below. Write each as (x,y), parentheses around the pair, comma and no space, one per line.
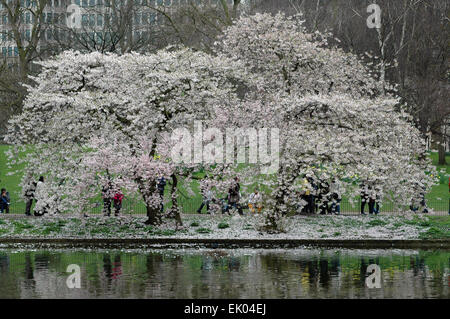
(41,206)
(255,201)
(207,196)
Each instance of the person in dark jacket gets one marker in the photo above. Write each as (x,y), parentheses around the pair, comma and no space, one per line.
(234,196)
(161,186)
(364,197)
(4,201)
(336,197)
(29,197)
(374,206)
(312,196)
(423,203)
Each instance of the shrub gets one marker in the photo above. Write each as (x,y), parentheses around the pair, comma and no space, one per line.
(272,223)
(203,230)
(434,233)
(424,223)
(223,225)
(19,227)
(376,222)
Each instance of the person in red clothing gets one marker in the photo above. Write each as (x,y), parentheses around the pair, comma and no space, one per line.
(118,197)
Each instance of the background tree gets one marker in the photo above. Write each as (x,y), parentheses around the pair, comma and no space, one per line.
(22,29)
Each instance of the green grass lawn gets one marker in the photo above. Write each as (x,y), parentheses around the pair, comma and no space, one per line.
(434,157)
(11,181)
(437,199)
(441,190)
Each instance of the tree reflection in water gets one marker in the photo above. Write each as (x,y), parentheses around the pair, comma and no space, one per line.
(303,273)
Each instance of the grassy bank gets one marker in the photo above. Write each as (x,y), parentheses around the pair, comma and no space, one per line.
(205,226)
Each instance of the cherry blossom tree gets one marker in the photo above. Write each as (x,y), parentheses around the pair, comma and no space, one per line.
(286,57)
(337,124)
(95,117)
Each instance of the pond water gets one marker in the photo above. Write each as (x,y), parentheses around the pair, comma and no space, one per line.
(240,273)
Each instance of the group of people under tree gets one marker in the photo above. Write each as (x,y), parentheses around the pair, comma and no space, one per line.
(113,196)
(33,192)
(109,196)
(317,197)
(325,199)
(371,196)
(233,200)
(367,197)
(422,204)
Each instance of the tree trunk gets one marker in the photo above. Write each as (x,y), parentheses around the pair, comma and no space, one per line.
(442,160)
(153,213)
(440,137)
(441,150)
(174,208)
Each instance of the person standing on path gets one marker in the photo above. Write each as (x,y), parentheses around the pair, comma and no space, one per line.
(336,197)
(30,196)
(374,206)
(40,208)
(118,197)
(255,201)
(364,197)
(313,194)
(4,201)
(206,200)
(234,196)
(161,186)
